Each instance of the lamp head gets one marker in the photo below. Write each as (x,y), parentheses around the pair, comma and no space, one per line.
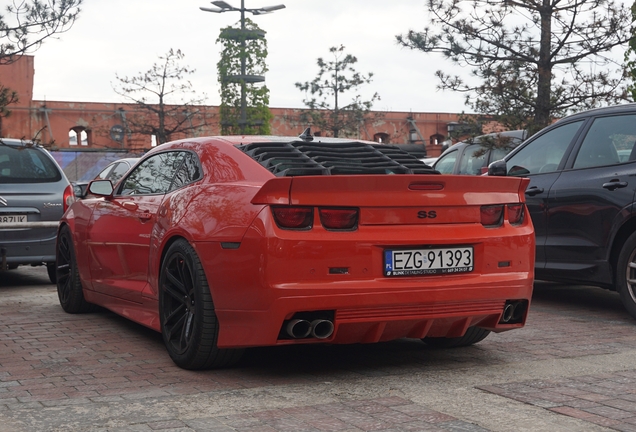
(222,4)
(215,10)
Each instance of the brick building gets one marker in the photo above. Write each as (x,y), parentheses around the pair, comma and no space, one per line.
(96,126)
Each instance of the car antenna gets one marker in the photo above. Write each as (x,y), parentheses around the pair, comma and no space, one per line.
(306,135)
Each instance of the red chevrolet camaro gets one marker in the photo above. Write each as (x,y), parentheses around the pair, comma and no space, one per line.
(224,243)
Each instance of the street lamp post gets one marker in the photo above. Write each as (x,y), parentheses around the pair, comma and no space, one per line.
(221,7)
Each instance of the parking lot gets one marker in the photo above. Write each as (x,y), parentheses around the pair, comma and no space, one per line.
(571,368)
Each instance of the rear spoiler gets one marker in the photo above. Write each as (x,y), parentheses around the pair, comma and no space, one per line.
(274,191)
(391,190)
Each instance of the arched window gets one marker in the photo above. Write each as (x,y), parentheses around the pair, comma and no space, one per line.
(79,135)
(436,139)
(381,137)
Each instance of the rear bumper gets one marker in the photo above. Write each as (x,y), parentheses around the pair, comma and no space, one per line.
(32,252)
(268,280)
(378,314)
(273,276)
(22,225)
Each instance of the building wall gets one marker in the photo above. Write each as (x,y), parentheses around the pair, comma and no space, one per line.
(99,126)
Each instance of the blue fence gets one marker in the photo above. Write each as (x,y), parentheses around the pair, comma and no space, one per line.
(84,166)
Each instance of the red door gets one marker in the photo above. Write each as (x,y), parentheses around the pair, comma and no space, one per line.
(119,244)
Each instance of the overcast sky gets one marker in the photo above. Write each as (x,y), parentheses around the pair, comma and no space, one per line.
(127,36)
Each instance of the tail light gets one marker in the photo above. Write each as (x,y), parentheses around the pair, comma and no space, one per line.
(516,213)
(297,218)
(338,218)
(492,215)
(68,197)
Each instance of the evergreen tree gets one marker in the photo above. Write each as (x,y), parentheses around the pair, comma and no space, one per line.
(630,61)
(28,23)
(529,60)
(240,71)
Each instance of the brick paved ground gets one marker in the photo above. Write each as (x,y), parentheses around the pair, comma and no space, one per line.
(604,399)
(570,368)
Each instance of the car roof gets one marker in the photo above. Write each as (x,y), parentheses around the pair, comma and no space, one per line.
(609,110)
(14,142)
(603,110)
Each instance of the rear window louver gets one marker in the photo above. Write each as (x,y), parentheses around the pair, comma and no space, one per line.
(299,158)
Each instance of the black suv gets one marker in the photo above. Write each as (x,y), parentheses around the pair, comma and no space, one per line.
(582,172)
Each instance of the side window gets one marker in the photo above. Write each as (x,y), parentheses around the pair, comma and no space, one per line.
(103,175)
(498,154)
(188,172)
(609,141)
(473,159)
(544,154)
(154,175)
(118,171)
(446,164)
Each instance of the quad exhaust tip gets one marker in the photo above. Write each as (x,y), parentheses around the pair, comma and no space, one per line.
(514,311)
(301,328)
(298,328)
(321,328)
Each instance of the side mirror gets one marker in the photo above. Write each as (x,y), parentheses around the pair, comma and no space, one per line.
(80,190)
(100,187)
(498,168)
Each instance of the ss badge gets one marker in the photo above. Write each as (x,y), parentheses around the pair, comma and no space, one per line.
(423,214)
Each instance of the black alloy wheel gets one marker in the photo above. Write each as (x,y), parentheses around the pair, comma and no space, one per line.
(188,323)
(69,286)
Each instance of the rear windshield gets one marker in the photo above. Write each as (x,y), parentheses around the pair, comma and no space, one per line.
(299,158)
(26,165)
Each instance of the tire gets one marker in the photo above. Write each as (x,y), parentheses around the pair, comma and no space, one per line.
(69,286)
(472,336)
(188,323)
(51,269)
(626,275)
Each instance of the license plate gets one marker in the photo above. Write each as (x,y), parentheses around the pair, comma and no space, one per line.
(7,219)
(413,262)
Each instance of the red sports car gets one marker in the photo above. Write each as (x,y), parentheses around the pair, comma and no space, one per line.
(224,243)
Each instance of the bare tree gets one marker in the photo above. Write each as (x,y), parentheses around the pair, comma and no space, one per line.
(26,24)
(166,102)
(532,59)
(334,79)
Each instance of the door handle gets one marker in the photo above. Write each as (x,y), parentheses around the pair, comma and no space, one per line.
(129,205)
(145,216)
(614,184)
(534,191)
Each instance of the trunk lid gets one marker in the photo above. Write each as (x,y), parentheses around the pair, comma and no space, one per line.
(397,199)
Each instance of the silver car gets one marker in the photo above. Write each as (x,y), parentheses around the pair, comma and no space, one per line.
(113,172)
(34,194)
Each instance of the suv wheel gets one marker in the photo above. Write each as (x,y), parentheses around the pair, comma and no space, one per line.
(626,275)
